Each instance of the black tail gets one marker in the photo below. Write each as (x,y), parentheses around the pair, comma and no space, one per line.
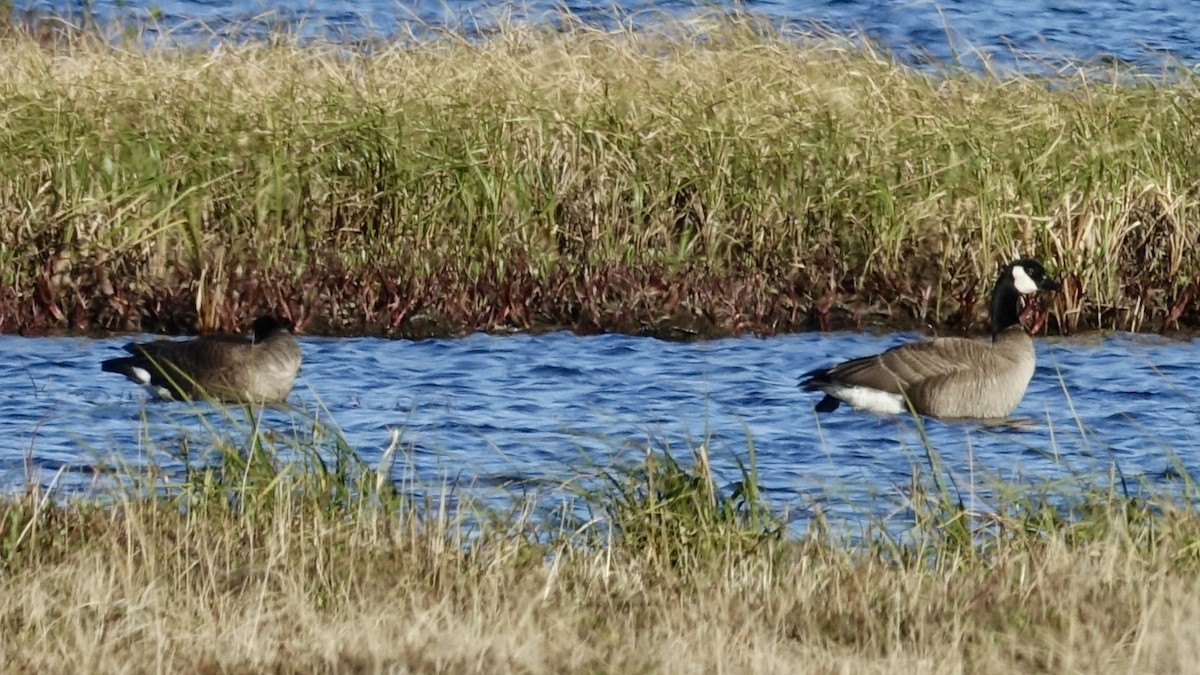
(815,380)
(120,366)
(124,366)
(827,404)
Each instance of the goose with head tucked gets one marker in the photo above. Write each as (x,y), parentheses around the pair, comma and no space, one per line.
(256,369)
(946,377)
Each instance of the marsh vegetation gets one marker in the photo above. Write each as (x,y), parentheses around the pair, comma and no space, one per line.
(710,178)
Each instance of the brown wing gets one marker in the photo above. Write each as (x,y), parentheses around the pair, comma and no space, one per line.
(905,366)
(204,361)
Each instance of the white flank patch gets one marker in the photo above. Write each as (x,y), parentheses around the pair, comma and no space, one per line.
(865,398)
(1022,281)
(143,379)
(142,375)
(159,392)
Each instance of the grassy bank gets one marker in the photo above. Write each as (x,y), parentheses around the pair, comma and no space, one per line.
(720,179)
(253,565)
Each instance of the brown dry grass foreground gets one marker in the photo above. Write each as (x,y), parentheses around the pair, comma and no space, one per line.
(712,177)
(311,565)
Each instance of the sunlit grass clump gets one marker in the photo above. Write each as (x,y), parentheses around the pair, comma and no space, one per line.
(712,176)
(283,551)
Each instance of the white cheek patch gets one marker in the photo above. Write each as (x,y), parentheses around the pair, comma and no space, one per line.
(1022,280)
(865,398)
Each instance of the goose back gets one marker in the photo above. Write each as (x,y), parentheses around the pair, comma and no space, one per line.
(225,368)
(988,383)
(944,377)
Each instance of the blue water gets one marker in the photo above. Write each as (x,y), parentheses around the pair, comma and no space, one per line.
(948,30)
(484,411)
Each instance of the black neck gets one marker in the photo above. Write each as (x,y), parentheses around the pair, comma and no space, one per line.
(1006,309)
(262,333)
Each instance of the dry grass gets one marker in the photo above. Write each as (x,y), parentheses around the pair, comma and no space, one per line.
(302,567)
(717,178)
(1052,612)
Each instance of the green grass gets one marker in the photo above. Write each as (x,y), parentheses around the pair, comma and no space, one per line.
(644,182)
(285,552)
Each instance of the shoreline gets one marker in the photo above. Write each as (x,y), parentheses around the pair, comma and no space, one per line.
(673,307)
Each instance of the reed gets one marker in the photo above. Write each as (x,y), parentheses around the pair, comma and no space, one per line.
(279,549)
(715,176)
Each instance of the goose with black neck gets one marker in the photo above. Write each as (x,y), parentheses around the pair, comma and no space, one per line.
(952,378)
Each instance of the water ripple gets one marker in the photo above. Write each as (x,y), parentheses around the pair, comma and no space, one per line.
(943,30)
(486,410)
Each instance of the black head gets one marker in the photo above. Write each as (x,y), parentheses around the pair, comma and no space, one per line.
(265,326)
(1022,277)
(1028,276)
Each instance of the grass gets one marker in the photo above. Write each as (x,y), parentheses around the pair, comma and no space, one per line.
(720,178)
(710,178)
(283,552)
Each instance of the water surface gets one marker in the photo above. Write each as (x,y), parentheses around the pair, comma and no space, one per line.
(947,30)
(487,410)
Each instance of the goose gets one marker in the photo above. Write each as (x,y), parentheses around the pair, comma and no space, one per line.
(259,369)
(946,377)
